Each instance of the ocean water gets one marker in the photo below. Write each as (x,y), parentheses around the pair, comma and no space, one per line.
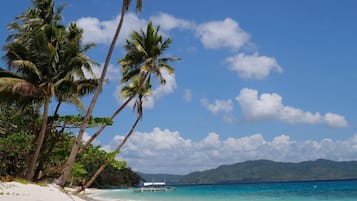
(287,191)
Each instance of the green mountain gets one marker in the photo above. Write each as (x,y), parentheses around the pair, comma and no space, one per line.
(270,171)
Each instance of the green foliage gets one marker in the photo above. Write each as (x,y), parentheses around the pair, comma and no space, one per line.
(76,120)
(78,171)
(118,164)
(94,157)
(15,149)
(112,177)
(14,119)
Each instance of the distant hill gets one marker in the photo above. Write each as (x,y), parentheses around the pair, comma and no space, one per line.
(270,171)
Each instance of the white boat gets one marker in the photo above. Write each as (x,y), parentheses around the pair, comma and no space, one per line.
(154,187)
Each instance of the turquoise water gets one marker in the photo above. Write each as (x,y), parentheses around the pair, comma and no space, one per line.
(290,191)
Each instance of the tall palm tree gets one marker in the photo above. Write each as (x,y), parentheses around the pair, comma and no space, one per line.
(71,159)
(142,60)
(74,85)
(36,77)
(43,56)
(133,89)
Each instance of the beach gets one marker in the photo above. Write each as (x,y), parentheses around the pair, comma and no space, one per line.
(15,191)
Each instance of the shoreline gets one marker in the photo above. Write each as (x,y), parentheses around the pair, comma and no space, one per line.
(14,191)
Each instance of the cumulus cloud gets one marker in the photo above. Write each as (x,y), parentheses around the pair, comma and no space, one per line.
(165,151)
(335,120)
(218,106)
(224,107)
(168,22)
(253,66)
(102,32)
(218,34)
(269,106)
(161,90)
(86,137)
(213,35)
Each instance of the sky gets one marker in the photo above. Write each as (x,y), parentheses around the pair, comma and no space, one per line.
(256,80)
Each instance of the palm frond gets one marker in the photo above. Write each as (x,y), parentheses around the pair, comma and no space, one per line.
(27,66)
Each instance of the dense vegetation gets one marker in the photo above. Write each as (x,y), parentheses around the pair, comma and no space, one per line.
(269,171)
(16,146)
(46,66)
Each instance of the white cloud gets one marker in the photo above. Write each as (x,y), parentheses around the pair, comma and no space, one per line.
(270,107)
(224,106)
(165,151)
(253,66)
(212,34)
(187,95)
(335,120)
(161,90)
(168,22)
(226,33)
(102,32)
(86,137)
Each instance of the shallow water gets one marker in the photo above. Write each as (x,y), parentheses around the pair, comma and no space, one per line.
(288,191)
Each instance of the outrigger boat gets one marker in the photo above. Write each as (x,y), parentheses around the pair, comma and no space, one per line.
(154,187)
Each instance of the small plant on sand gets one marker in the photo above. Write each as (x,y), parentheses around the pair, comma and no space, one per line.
(6,178)
(22,181)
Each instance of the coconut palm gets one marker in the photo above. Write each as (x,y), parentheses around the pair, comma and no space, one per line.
(71,159)
(142,60)
(74,85)
(44,59)
(135,88)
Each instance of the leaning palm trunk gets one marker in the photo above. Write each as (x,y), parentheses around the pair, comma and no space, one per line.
(95,135)
(117,149)
(39,141)
(67,169)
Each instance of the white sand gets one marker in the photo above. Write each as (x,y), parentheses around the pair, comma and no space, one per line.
(14,191)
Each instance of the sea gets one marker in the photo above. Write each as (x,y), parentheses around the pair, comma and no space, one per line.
(284,191)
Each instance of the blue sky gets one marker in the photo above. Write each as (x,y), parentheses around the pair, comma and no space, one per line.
(257,80)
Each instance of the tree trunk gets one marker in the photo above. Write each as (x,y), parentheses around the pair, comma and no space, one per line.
(117,149)
(39,141)
(46,156)
(95,135)
(101,168)
(67,169)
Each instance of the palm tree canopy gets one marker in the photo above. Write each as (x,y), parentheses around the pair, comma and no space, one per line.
(143,58)
(48,55)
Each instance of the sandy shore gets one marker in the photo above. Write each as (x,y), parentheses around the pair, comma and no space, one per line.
(14,191)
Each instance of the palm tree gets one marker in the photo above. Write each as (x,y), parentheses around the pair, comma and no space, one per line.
(133,89)
(43,58)
(67,169)
(36,78)
(74,84)
(142,60)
